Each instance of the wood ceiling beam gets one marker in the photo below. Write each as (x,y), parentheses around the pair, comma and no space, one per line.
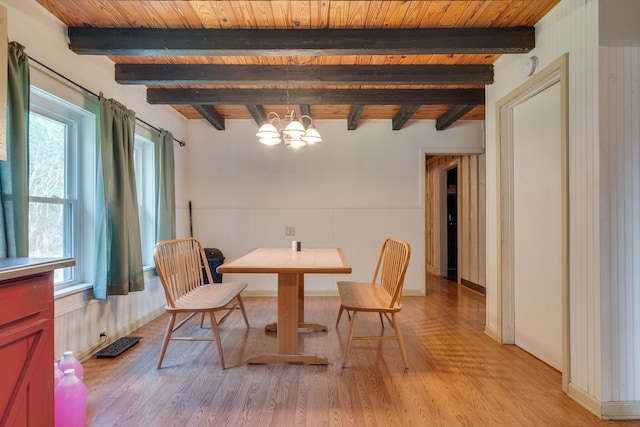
(258,113)
(453,115)
(211,115)
(191,74)
(316,96)
(354,116)
(313,42)
(402,116)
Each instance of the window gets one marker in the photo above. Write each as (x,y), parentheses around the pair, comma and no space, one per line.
(61,184)
(62,181)
(143,154)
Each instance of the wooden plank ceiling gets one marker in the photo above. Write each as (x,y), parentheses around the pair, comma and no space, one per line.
(351,60)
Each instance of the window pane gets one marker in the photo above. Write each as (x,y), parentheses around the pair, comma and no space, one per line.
(46,234)
(47,139)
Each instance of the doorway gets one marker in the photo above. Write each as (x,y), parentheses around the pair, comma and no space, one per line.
(452,224)
(522,191)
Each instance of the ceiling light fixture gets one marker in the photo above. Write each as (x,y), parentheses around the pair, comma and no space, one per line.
(289,129)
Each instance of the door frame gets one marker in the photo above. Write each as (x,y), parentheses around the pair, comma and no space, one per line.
(555,73)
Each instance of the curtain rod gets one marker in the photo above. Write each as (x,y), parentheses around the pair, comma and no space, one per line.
(181,143)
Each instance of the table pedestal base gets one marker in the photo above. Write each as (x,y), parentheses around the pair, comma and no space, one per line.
(300,358)
(273,327)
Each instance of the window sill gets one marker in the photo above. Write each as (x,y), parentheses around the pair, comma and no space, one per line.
(70,290)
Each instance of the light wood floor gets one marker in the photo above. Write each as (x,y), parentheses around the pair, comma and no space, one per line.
(458,375)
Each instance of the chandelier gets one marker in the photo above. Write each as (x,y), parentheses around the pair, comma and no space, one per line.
(289,129)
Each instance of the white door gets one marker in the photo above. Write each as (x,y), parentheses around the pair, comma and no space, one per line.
(537,225)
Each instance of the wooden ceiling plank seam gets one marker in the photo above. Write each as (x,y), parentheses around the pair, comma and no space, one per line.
(376,14)
(206,15)
(453,115)
(315,96)
(509,13)
(531,12)
(436,11)
(319,14)
(245,16)
(354,116)
(487,14)
(348,42)
(415,14)
(225,14)
(402,116)
(357,14)
(337,15)
(452,14)
(471,12)
(211,115)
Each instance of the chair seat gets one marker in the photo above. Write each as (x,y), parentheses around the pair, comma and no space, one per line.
(361,296)
(207,297)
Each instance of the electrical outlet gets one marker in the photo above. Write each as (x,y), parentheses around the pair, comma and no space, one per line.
(103,334)
(289,231)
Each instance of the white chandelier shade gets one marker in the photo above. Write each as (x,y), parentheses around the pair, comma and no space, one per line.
(289,129)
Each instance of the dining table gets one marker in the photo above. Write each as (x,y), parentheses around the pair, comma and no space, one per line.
(291,267)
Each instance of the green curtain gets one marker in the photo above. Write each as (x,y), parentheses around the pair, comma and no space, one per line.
(165,187)
(14,181)
(119,263)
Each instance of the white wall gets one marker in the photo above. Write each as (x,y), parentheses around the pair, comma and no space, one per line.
(620,199)
(352,190)
(78,317)
(603,141)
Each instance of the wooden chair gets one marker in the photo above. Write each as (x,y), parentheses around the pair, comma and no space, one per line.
(181,265)
(382,297)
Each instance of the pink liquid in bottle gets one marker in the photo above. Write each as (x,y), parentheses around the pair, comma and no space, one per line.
(70,400)
(69,362)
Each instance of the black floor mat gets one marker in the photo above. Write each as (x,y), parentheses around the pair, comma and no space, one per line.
(118,347)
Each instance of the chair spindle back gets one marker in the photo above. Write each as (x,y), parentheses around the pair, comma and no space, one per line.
(180,264)
(392,266)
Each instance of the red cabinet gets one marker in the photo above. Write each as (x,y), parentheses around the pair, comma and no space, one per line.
(26,343)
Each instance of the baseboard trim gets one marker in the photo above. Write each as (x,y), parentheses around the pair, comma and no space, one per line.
(473,286)
(86,353)
(589,402)
(491,332)
(621,410)
(625,410)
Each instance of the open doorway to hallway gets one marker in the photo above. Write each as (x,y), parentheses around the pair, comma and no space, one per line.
(455,219)
(451,224)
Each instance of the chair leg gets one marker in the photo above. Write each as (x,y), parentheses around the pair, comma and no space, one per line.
(244,313)
(381,320)
(339,314)
(396,326)
(167,337)
(348,346)
(202,320)
(216,334)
